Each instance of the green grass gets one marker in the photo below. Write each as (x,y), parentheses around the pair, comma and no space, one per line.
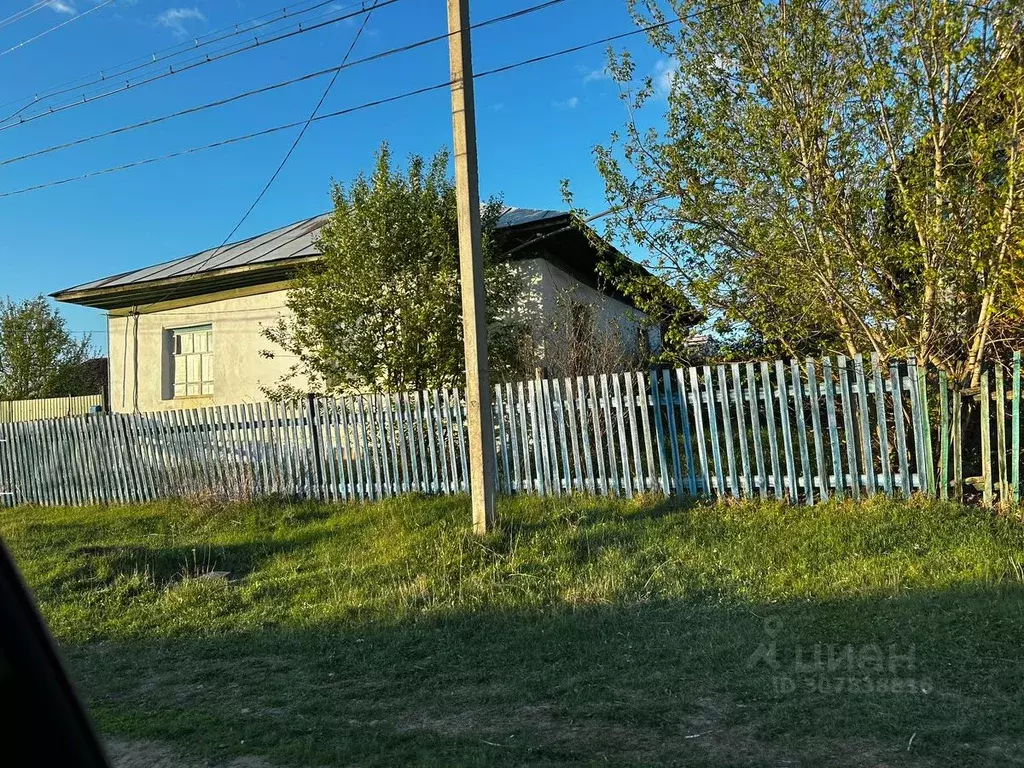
(582,631)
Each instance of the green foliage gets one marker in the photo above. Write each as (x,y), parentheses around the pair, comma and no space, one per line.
(832,176)
(38,356)
(382,309)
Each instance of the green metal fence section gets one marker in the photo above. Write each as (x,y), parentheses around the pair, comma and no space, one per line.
(801,431)
(49,408)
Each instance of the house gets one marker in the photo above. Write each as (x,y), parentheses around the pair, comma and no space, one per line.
(190,330)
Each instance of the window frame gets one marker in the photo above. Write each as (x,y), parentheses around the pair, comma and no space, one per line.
(192,372)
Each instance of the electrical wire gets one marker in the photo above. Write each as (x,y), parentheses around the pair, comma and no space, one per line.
(341,112)
(25,12)
(118,71)
(272,86)
(288,154)
(55,27)
(172,71)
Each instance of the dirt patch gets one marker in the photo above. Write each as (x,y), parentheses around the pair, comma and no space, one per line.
(151,754)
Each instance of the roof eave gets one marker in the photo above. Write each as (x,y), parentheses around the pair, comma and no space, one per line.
(154,291)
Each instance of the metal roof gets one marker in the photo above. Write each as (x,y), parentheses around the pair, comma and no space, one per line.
(295,241)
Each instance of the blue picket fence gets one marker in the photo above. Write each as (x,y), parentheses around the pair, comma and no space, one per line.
(801,431)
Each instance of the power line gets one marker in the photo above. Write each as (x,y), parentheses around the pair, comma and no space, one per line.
(55,27)
(144,62)
(357,108)
(192,64)
(273,86)
(291,149)
(25,12)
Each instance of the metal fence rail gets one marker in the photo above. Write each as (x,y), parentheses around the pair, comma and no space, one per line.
(801,431)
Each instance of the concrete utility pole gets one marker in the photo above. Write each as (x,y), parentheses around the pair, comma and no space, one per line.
(471,269)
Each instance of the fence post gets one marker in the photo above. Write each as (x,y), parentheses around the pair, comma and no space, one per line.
(314,429)
(986,441)
(1015,429)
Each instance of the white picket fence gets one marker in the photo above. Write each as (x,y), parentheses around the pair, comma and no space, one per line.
(785,430)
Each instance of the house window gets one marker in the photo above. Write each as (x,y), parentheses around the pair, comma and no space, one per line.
(192,360)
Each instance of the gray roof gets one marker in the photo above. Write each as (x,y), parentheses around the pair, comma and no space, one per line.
(295,241)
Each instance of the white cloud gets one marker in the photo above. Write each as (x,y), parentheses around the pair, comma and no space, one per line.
(594,75)
(63,7)
(665,73)
(570,103)
(176,19)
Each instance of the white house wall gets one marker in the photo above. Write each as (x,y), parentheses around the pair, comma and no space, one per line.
(547,288)
(240,370)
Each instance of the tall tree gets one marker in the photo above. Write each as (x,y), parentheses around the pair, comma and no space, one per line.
(833,175)
(382,309)
(39,357)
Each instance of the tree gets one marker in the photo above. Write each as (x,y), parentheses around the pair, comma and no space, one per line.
(38,355)
(382,309)
(833,175)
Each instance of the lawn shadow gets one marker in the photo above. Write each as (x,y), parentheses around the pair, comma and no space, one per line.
(927,678)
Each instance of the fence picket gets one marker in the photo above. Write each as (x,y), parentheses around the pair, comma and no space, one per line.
(833,429)
(917,425)
(548,436)
(698,428)
(773,443)
(848,428)
(540,438)
(606,404)
(512,447)
(524,432)
(801,432)
(639,483)
(580,483)
(659,431)
(365,458)
(755,428)
(883,430)
(1001,434)
(956,445)
(673,437)
(898,424)
(595,421)
(503,441)
(685,429)
(926,429)
(1015,429)
(943,436)
(347,462)
(650,482)
(558,410)
(821,461)
(787,433)
(730,448)
(870,479)
(588,458)
(747,487)
(986,440)
(627,482)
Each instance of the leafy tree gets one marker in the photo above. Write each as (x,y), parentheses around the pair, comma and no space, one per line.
(382,310)
(38,356)
(832,175)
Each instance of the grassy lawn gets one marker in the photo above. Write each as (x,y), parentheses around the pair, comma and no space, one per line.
(583,631)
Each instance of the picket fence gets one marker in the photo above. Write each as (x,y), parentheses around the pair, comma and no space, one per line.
(789,430)
(49,408)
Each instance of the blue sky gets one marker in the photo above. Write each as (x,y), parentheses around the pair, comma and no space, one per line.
(536,125)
